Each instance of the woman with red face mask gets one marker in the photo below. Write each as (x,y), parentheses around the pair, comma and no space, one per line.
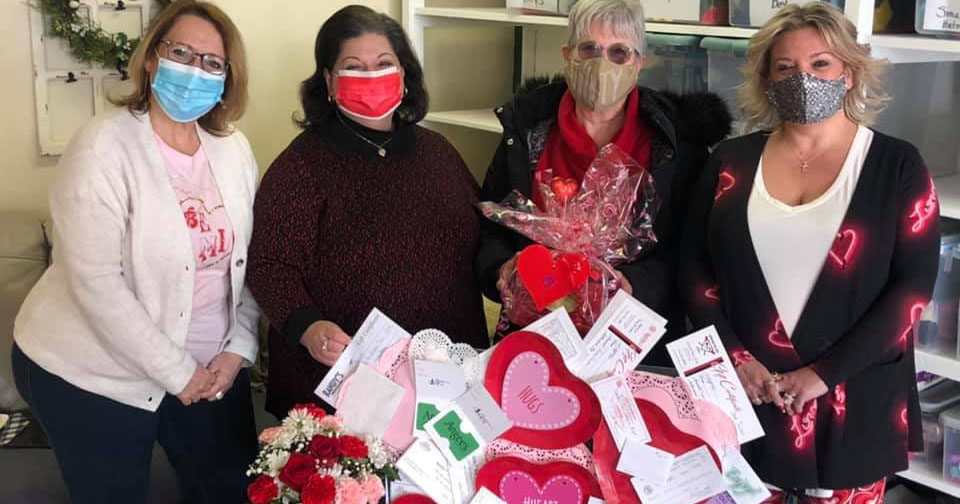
(364,209)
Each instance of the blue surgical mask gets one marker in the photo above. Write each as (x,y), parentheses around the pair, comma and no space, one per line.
(186,92)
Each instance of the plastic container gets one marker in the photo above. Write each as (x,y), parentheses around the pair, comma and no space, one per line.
(950,420)
(560,7)
(724,59)
(935,399)
(706,12)
(938,327)
(675,63)
(754,13)
(938,17)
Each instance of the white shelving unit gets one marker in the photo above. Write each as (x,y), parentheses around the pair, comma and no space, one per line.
(417,16)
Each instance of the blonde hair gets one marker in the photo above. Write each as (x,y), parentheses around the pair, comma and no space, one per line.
(863,101)
(623,17)
(234,100)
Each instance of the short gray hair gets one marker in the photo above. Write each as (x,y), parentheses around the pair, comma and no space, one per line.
(624,17)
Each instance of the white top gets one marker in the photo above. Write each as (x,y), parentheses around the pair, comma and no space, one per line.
(110,315)
(792,242)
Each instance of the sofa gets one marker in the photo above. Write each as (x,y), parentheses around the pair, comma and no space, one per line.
(24,255)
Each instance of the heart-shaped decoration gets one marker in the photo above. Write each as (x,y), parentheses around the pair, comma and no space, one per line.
(725,182)
(564,188)
(843,248)
(433,345)
(518,481)
(548,279)
(413,499)
(550,407)
(712,293)
(778,337)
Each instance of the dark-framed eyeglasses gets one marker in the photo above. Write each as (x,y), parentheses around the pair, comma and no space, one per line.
(617,53)
(183,53)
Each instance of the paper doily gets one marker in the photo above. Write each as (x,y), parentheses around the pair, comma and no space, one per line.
(579,454)
(434,345)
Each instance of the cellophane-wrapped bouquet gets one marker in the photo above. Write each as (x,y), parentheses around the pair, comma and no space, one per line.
(311,459)
(588,228)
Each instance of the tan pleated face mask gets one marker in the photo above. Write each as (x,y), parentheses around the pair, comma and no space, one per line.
(598,83)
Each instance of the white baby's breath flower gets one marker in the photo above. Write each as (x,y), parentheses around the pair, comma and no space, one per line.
(284,439)
(375,452)
(74,4)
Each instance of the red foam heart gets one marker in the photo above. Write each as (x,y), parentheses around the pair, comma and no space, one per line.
(564,188)
(664,435)
(843,248)
(561,384)
(547,279)
(517,481)
(413,499)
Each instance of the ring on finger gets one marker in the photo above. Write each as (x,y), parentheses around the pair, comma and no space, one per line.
(776,376)
(757,401)
(323,346)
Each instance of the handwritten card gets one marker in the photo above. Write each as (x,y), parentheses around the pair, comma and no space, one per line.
(438,383)
(557,327)
(742,483)
(376,334)
(369,387)
(425,466)
(485,496)
(624,334)
(471,422)
(620,410)
(942,15)
(694,477)
(645,462)
(704,366)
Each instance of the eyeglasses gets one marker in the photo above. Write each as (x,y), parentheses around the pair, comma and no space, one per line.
(618,53)
(182,53)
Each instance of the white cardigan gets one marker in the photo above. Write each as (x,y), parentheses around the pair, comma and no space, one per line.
(110,315)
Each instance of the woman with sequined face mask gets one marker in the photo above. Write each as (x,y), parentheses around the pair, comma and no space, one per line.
(812,247)
(560,126)
(141,329)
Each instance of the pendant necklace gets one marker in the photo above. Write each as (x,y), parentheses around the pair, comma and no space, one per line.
(381,150)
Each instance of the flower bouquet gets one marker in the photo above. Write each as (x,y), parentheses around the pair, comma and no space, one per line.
(582,232)
(311,459)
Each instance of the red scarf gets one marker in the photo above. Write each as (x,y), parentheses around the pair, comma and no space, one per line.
(570,150)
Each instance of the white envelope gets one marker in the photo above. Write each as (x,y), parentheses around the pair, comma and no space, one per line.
(367,387)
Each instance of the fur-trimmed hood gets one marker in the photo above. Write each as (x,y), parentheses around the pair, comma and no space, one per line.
(701,118)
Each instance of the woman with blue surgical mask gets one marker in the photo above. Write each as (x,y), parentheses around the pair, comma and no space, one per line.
(141,329)
(812,247)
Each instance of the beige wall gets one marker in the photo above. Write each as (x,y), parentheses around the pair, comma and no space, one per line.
(280,48)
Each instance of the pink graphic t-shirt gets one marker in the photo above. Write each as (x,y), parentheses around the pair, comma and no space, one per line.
(212,236)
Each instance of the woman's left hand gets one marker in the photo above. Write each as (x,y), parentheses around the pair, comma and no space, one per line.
(225,366)
(802,385)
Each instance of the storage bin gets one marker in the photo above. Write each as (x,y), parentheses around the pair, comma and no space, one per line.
(707,12)
(754,13)
(938,327)
(935,399)
(675,63)
(938,17)
(724,59)
(561,7)
(950,421)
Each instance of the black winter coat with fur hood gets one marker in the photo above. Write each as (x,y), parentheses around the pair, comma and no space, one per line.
(683,128)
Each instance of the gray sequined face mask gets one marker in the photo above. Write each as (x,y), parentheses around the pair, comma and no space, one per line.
(805,98)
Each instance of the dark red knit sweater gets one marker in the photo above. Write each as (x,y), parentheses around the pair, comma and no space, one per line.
(339,230)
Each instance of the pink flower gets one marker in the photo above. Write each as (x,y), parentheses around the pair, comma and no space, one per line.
(269,434)
(373,487)
(350,492)
(331,422)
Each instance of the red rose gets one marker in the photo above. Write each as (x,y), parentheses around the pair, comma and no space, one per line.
(298,470)
(262,490)
(314,410)
(353,447)
(325,449)
(320,489)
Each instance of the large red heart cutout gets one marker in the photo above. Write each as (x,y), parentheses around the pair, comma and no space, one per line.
(548,279)
(549,407)
(664,435)
(413,499)
(518,481)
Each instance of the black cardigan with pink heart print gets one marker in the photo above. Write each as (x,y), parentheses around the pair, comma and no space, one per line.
(854,331)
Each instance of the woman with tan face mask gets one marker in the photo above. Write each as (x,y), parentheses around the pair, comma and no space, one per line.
(561,125)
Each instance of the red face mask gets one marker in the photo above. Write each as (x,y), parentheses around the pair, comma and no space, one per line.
(369,95)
